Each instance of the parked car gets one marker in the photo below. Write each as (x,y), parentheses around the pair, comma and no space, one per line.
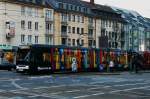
(6,65)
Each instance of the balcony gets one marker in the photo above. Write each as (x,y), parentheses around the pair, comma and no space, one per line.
(116,28)
(49,33)
(90,26)
(64,34)
(49,20)
(64,22)
(90,36)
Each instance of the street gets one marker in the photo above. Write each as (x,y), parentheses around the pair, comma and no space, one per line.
(74,86)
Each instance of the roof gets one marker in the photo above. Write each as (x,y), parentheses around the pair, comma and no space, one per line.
(74,3)
(89,6)
(132,17)
(39,3)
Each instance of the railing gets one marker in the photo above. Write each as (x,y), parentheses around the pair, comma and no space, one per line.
(64,34)
(90,36)
(49,32)
(64,22)
(49,20)
(91,26)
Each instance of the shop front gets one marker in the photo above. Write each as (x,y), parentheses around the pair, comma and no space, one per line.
(7,53)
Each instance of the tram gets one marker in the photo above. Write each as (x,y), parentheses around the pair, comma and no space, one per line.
(146,56)
(64,59)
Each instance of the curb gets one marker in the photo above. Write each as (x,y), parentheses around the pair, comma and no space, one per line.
(87,73)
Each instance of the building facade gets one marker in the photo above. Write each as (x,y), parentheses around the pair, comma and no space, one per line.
(147,36)
(25,23)
(75,24)
(135,29)
(109,35)
(71,23)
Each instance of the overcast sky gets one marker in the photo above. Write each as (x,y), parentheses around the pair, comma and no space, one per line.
(141,6)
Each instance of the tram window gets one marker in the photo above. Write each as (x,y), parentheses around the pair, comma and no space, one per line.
(46,57)
(27,57)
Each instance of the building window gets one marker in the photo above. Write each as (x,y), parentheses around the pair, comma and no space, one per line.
(69,29)
(61,5)
(48,27)
(49,40)
(106,34)
(22,10)
(71,7)
(64,17)
(64,29)
(82,30)
(78,18)
(78,30)
(48,14)
(109,35)
(82,42)
(69,17)
(36,12)
(90,43)
(30,25)
(67,6)
(78,42)
(75,8)
(22,38)
(64,41)
(82,19)
(90,32)
(73,18)
(110,24)
(106,23)
(22,24)
(30,38)
(79,8)
(69,42)
(29,11)
(82,9)
(91,20)
(73,30)
(36,39)
(36,26)
(73,42)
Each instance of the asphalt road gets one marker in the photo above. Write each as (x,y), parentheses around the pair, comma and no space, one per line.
(74,86)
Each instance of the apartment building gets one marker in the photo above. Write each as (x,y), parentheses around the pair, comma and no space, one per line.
(135,29)
(147,35)
(25,22)
(110,27)
(80,23)
(74,23)
(69,23)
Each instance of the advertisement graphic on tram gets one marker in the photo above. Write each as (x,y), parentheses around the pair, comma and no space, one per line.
(74,59)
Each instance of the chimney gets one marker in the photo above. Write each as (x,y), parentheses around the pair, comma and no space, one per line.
(92,1)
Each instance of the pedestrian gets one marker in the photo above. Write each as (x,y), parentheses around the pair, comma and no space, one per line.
(74,65)
(101,67)
(111,66)
(136,63)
